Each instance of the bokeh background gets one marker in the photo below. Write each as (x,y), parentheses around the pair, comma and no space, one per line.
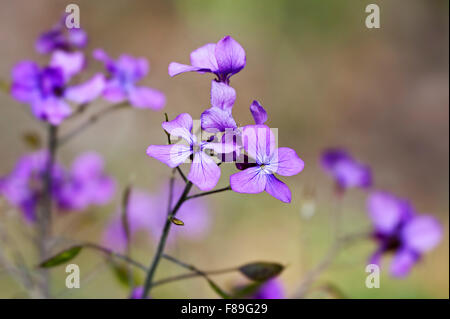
(325,80)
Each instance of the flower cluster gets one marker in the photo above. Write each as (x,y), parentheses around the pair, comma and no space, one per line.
(397,227)
(86,183)
(52,90)
(253,147)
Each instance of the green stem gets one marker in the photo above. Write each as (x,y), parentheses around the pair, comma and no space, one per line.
(209,193)
(162,241)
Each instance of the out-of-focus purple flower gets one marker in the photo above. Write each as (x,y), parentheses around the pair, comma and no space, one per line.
(46,89)
(398,229)
(346,170)
(124,73)
(148,212)
(86,184)
(258,112)
(61,38)
(24,186)
(259,143)
(136,293)
(224,59)
(271,289)
(204,173)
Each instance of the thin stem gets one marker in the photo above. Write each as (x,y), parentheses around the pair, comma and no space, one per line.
(91,120)
(112,253)
(162,241)
(126,229)
(182,174)
(209,193)
(45,213)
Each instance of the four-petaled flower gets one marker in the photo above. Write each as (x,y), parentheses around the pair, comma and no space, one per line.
(399,229)
(86,184)
(204,173)
(224,59)
(259,143)
(62,38)
(121,84)
(46,89)
(346,170)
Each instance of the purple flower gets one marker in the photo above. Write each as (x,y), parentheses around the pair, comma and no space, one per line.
(137,293)
(398,229)
(271,289)
(86,184)
(24,186)
(61,38)
(259,143)
(345,170)
(46,89)
(204,173)
(124,73)
(148,213)
(224,59)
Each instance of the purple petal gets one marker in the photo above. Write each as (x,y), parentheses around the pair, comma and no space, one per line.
(178,68)
(422,233)
(220,148)
(258,112)
(331,156)
(25,81)
(222,96)
(271,289)
(204,172)
(204,58)
(87,165)
(387,211)
(102,56)
(250,181)
(278,189)
(230,56)
(131,69)
(259,142)
(70,63)
(78,38)
(402,263)
(216,120)
(349,173)
(181,126)
(114,92)
(171,155)
(286,162)
(143,97)
(52,110)
(88,91)
(137,293)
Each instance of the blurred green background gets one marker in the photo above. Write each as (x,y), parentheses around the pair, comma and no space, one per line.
(325,80)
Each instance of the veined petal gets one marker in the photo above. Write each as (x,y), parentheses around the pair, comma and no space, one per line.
(220,148)
(223,96)
(250,181)
(171,155)
(181,126)
(258,112)
(204,172)
(178,68)
(387,211)
(230,56)
(278,189)
(422,233)
(87,91)
(259,142)
(70,63)
(144,97)
(204,57)
(286,162)
(216,120)
(402,262)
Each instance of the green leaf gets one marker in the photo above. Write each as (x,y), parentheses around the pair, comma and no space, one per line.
(61,257)
(122,274)
(217,289)
(261,271)
(246,291)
